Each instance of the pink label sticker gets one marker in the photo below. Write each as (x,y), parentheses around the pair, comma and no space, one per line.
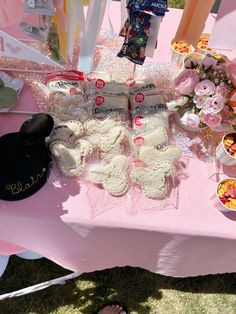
(138,141)
(139,120)
(100,84)
(130,82)
(73,91)
(99,100)
(139,98)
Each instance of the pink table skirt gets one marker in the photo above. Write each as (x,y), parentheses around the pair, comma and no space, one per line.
(57,222)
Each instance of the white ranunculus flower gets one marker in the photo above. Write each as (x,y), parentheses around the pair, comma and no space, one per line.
(174,105)
(190,119)
(208,62)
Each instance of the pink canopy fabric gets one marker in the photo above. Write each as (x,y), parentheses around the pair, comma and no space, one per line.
(58,222)
(223,36)
(10,12)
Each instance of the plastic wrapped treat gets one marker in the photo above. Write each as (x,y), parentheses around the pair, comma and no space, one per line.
(102,126)
(103,83)
(71,158)
(66,87)
(153,179)
(105,104)
(149,110)
(111,144)
(67,132)
(157,138)
(112,176)
(80,112)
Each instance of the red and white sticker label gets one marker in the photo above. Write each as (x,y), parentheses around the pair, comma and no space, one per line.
(139,98)
(73,91)
(99,100)
(100,84)
(139,120)
(138,141)
(130,82)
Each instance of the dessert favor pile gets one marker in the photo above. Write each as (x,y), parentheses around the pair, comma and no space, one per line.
(112,134)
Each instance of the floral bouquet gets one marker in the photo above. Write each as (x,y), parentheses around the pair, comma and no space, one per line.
(203,90)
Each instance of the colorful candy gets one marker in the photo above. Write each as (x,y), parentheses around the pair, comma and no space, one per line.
(227,193)
(182,47)
(203,44)
(230,144)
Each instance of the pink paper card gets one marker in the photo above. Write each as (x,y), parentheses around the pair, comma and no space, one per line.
(223,34)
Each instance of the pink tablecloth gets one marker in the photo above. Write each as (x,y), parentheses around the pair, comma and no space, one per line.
(56,222)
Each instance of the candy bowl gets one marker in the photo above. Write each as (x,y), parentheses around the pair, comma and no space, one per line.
(192,55)
(202,45)
(179,50)
(225,196)
(177,117)
(226,150)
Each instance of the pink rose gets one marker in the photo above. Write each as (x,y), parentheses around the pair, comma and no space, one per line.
(208,62)
(224,126)
(205,87)
(213,120)
(190,119)
(231,70)
(226,113)
(233,121)
(215,104)
(186,81)
(200,101)
(222,90)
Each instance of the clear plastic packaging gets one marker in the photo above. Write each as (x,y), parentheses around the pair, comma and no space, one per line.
(98,82)
(71,158)
(162,193)
(109,185)
(66,87)
(81,111)
(102,202)
(15,83)
(156,137)
(105,104)
(143,204)
(37,27)
(102,126)
(110,144)
(149,110)
(151,100)
(10,89)
(145,121)
(39,7)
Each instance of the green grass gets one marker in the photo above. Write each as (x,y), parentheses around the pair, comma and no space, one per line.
(176,4)
(142,291)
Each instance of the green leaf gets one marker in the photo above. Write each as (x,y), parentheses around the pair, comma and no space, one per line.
(8,97)
(1,83)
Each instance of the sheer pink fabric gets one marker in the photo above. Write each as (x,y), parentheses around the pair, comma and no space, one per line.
(10,12)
